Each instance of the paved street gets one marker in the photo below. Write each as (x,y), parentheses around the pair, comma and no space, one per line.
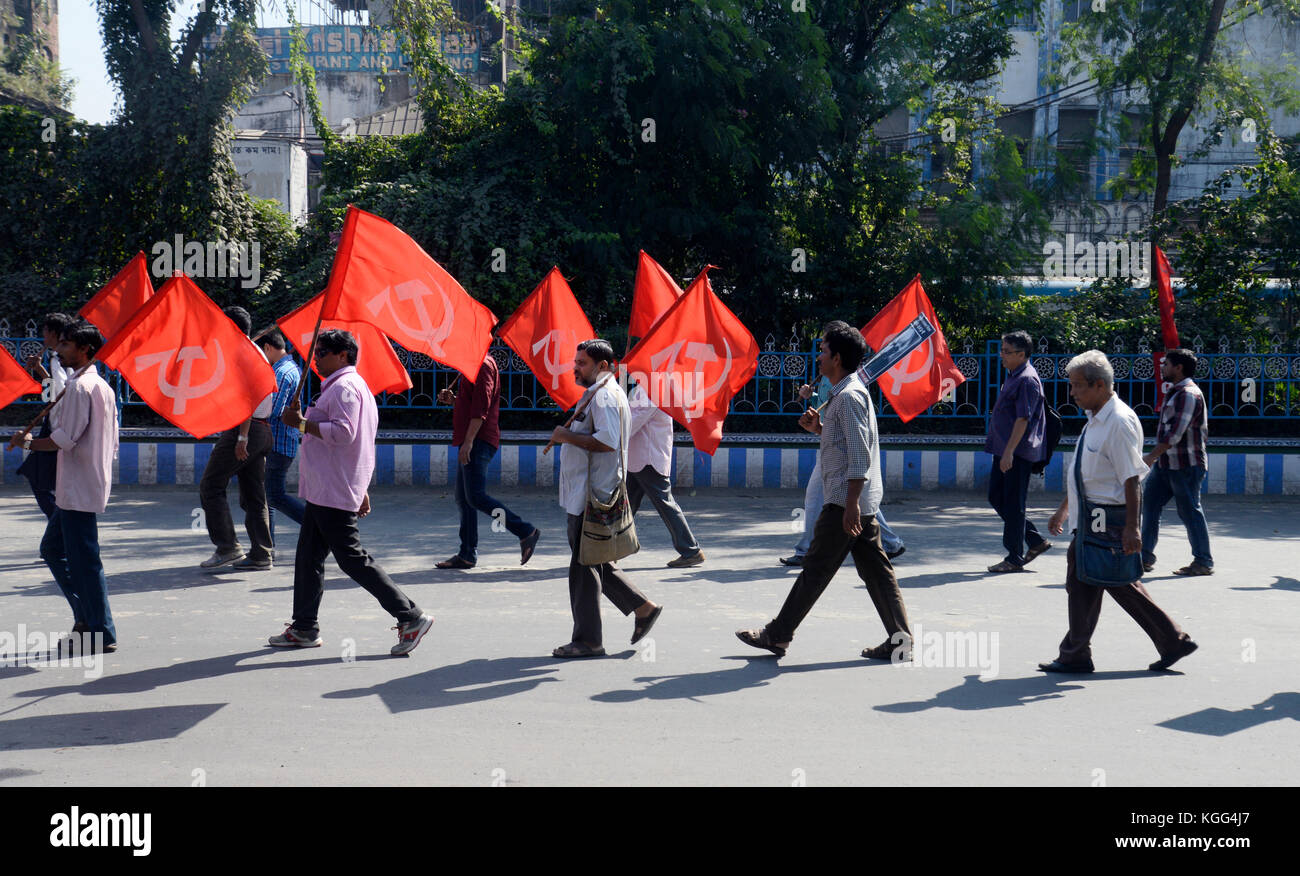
(194,694)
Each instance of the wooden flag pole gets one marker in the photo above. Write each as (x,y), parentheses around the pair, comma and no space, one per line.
(36,421)
(577,413)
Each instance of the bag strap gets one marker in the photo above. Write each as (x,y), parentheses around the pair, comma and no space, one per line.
(1078,479)
(622,441)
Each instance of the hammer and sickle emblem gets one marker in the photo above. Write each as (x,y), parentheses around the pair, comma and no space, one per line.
(901,374)
(550,342)
(416,292)
(699,353)
(182,390)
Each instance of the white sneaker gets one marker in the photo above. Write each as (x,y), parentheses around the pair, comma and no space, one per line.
(218,559)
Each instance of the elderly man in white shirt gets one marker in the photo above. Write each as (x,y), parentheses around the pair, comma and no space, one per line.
(595,450)
(649,466)
(1111,466)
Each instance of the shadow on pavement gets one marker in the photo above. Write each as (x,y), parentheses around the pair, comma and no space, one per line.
(1224,722)
(1000,693)
(83,729)
(473,681)
(755,672)
(1288,584)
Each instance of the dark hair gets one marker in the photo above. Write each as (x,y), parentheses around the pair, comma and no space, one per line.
(338,341)
(83,334)
(1184,359)
(241,318)
(272,338)
(845,341)
(57,322)
(599,350)
(1020,341)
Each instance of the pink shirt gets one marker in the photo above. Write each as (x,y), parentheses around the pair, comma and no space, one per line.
(334,470)
(84,426)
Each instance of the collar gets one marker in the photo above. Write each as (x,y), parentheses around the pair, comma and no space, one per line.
(1106,410)
(1180,384)
(1020,370)
(333,378)
(844,384)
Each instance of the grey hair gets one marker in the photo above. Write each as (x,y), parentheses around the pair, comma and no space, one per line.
(1094,366)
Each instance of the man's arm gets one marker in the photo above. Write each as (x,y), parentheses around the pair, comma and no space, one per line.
(589,443)
(1132,539)
(241,443)
(1057,524)
(1009,452)
(852,517)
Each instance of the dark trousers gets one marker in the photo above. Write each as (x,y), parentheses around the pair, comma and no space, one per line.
(41,469)
(251,472)
(648,482)
(1008,494)
(332,530)
(472,497)
(1085,608)
(1183,485)
(586,583)
(277,465)
(70,548)
(830,546)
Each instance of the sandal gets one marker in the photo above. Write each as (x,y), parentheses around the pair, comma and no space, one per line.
(643,624)
(577,649)
(759,639)
(456,562)
(1006,566)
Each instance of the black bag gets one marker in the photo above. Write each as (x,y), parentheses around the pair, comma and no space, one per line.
(1050,439)
(1099,557)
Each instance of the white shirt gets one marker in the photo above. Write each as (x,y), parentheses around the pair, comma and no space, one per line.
(58,376)
(263,410)
(1112,453)
(604,419)
(651,442)
(84,426)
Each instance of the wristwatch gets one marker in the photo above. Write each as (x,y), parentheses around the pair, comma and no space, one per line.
(27,442)
(302,425)
(242,439)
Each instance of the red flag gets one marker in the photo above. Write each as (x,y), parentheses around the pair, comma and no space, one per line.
(383,277)
(545,331)
(653,293)
(928,372)
(696,357)
(189,362)
(377,363)
(1168,331)
(14,379)
(120,298)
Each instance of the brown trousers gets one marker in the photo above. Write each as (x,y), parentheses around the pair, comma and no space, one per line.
(1085,608)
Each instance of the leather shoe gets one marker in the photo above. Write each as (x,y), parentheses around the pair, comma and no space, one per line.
(760,639)
(1071,668)
(1185,647)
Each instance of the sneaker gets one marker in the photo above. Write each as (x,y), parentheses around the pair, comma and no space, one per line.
(219,559)
(292,638)
(248,564)
(685,562)
(410,634)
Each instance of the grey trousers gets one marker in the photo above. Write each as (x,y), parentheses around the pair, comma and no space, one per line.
(648,482)
(586,583)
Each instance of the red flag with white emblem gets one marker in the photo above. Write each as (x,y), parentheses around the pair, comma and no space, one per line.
(383,277)
(120,298)
(545,331)
(377,362)
(14,379)
(188,361)
(697,356)
(928,372)
(652,294)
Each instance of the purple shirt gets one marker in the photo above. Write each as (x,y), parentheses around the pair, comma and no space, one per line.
(334,470)
(1021,396)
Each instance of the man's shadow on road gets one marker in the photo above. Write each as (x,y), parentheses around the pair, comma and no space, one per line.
(459,684)
(1000,693)
(1223,722)
(755,672)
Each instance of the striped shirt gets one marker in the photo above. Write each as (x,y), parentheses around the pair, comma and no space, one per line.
(850,447)
(1183,426)
(286,386)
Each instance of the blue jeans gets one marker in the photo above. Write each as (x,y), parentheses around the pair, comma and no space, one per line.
(277,464)
(813,499)
(1183,485)
(472,497)
(70,548)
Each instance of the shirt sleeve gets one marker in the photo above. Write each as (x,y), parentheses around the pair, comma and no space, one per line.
(1124,450)
(605,422)
(642,410)
(480,402)
(340,427)
(287,384)
(74,417)
(856,423)
(1029,398)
